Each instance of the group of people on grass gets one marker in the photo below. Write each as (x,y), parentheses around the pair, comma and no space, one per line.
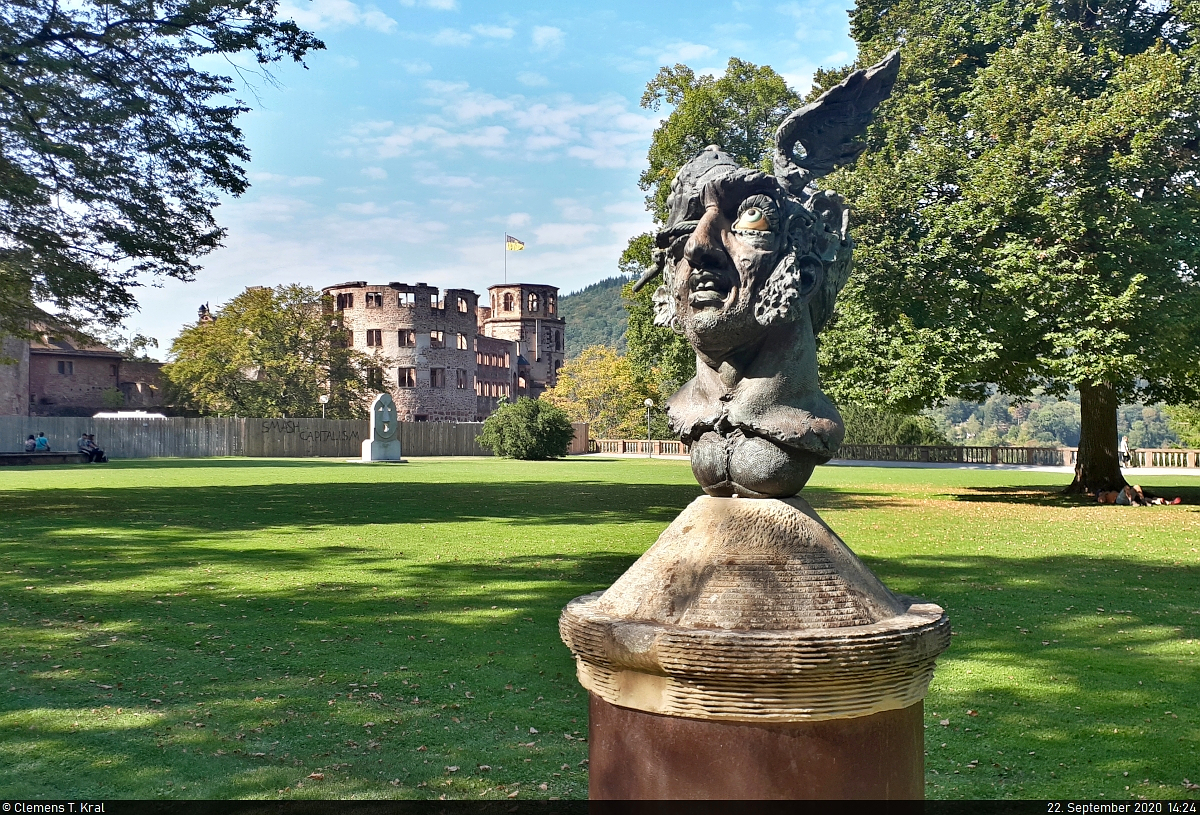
(86,445)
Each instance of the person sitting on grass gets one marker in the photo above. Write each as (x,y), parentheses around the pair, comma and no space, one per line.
(1132,495)
(30,444)
(41,444)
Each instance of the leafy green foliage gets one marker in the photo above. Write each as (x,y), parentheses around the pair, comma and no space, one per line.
(1026,211)
(595,316)
(528,429)
(738,112)
(602,388)
(875,426)
(271,353)
(112,398)
(115,146)
(1046,420)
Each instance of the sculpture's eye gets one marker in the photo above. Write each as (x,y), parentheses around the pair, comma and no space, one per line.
(753,218)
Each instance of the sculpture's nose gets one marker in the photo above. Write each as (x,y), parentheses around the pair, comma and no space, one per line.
(705,248)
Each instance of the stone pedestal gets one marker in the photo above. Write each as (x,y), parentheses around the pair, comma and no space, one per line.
(375,450)
(750,653)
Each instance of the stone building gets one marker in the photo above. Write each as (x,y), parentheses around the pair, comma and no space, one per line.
(527,314)
(442,356)
(59,375)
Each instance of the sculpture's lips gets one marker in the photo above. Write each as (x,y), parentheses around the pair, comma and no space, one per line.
(709,289)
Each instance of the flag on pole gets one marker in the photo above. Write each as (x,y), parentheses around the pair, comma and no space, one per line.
(512,244)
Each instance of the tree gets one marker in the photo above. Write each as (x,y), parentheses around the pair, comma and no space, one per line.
(114,145)
(271,353)
(738,111)
(1026,211)
(601,388)
(529,429)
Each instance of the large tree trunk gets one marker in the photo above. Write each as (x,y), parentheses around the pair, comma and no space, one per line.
(1098,467)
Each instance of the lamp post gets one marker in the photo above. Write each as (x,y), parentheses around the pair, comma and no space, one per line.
(324,399)
(649,403)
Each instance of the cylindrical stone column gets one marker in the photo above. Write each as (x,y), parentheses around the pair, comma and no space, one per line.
(750,654)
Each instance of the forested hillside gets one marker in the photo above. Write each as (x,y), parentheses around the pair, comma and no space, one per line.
(1044,420)
(595,316)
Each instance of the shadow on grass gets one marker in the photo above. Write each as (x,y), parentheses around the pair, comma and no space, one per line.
(463,657)
(1054,496)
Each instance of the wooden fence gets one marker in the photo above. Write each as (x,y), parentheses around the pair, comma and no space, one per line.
(274,438)
(197,438)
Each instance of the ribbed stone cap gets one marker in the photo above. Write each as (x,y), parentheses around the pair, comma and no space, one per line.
(753,609)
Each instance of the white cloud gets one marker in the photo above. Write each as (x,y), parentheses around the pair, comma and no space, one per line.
(367,208)
(684,52)
(532,79)
(286,180)
(459,181)
(440,5)
(564,234)
(498,32)
(547,38)
(377,173)
(345,62)
(517,220)
(604,133)
(419,66)
(321,15)
(451,36)
(572,210)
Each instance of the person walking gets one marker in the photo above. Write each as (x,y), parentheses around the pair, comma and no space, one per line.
(1123,451)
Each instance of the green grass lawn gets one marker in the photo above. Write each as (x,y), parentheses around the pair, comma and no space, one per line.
(249,628)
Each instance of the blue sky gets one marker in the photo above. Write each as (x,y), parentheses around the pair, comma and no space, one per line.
(429,128)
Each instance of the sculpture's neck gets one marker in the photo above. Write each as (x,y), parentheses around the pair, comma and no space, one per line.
(784,347)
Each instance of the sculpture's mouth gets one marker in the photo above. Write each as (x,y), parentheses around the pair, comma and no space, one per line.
(710,289)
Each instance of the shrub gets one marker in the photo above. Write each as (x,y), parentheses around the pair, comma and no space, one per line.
(527,429)
(874,426)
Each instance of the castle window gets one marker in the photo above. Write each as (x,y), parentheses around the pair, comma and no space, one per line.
(549,303)
(462,379)
(557,340)
(437,377)
(113,369)
(462,305)
(405,299)
(345,301)
(506,359)
(375,378)
(433,301)
(421,417)
(66,368)
(406,377)
(462,342)
(374,337)
(406,338)
(374,299)
(508,301)
(558,363)
(349,339)
(533,302)
(437,339)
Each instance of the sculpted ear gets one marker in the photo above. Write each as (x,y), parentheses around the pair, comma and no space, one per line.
(791,284)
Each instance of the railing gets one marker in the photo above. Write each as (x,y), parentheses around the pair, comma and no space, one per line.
(1037,456)
(1150,457)
(641,447)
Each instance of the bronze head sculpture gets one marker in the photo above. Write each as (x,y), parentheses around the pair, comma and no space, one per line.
(751,265)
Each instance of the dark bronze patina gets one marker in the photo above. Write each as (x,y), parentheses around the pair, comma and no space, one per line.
(751,264)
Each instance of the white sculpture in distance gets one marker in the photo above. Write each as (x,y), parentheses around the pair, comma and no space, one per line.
(384,444)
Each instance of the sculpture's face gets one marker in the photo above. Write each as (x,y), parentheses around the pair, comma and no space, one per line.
(385,418)
(719,270)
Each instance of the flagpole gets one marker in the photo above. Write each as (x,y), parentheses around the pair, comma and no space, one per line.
(505,250)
